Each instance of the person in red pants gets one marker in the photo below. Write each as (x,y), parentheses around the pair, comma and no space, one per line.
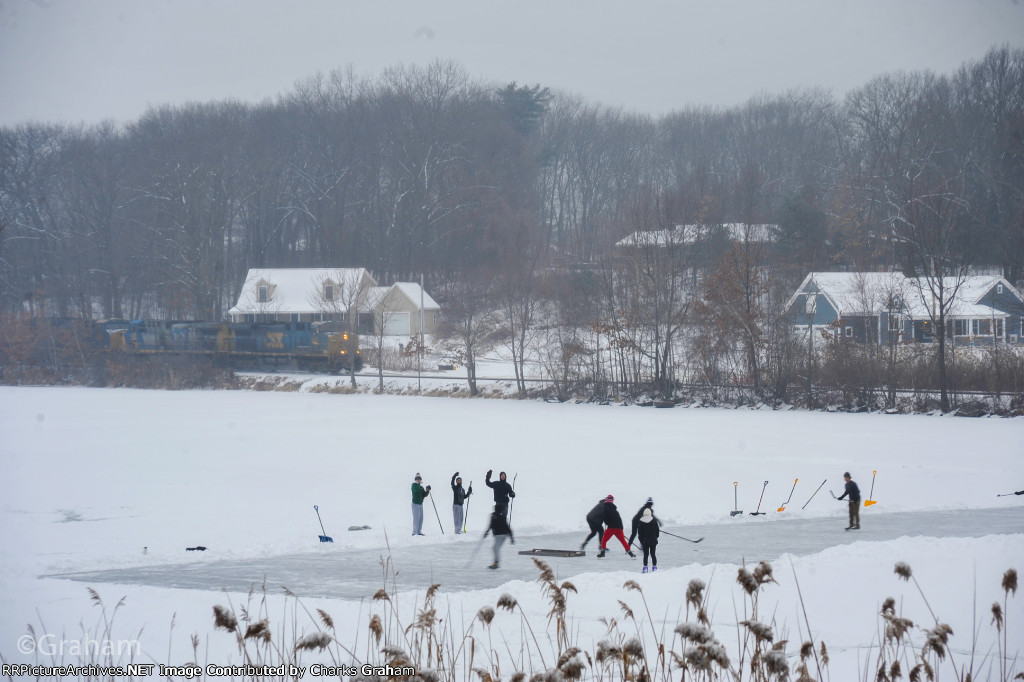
(613,527)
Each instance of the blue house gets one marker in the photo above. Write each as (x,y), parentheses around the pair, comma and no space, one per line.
(884,307)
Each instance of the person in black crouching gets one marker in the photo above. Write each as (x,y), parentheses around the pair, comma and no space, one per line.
(594,520)
(613,527)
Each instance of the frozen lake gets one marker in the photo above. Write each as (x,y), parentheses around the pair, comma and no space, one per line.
(330,571)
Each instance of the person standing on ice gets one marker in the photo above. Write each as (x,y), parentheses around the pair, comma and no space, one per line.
(418,493)
(649,504)
(648,533)
(613,522)
(499,526)
(459,495)
(595,520)
(854,492)
(502,490)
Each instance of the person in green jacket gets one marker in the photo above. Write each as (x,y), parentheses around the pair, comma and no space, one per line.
(418,493)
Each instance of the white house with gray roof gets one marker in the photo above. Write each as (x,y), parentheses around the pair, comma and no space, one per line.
(349,295)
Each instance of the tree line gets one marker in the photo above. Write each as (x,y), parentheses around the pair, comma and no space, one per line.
(509,201)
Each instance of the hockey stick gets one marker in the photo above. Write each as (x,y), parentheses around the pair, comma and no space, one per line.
(466,517)
(868,502)
(434,504)
(759,512)
(812,496)
(783,507)
(1019,492)
(681,537)
(325,537)
(735,502)
(514,477)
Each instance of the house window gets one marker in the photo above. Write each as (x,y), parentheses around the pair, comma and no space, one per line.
(328,292)
(263,295)
(849,332)
(999,288)
(961,327)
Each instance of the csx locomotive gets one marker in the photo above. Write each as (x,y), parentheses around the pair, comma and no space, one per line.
(316,346)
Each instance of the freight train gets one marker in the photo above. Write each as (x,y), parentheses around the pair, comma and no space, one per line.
(317,346)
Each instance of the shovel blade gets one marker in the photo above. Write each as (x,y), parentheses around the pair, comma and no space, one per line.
(868,503)
(734,513)
(326,538)
(781,509)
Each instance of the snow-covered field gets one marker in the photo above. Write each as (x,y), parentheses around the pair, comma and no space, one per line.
(96,479)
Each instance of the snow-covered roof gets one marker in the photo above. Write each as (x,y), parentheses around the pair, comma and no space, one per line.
(410,290)
(966,303)
(297,290)
(687,234)
(855,293)
(868,293)
(413,290)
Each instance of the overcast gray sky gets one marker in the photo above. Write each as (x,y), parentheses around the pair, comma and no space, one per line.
(79,60)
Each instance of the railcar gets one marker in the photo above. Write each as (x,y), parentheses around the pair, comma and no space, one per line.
(318,346)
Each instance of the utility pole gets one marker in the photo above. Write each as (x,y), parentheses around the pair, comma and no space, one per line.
(812,310)
(419,351)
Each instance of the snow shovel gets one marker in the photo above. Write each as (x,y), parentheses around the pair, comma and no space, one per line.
(783,507)
(735,500)
(1019,492)
(868,502)
(325,537)
(759,512)
(466,517)
(812,496)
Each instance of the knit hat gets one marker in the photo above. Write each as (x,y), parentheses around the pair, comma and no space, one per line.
(418,477)
(610,498)
(650,500)
(846,475)
(648,516)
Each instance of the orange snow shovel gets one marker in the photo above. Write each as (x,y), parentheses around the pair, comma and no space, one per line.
(783,507)
(868,502)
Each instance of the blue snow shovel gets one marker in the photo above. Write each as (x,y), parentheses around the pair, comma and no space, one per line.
(325,537)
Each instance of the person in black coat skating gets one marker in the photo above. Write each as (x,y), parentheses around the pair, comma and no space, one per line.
(649,504)
(594,520)
(647,533)
(499,526)
(502,490)
(613,527)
